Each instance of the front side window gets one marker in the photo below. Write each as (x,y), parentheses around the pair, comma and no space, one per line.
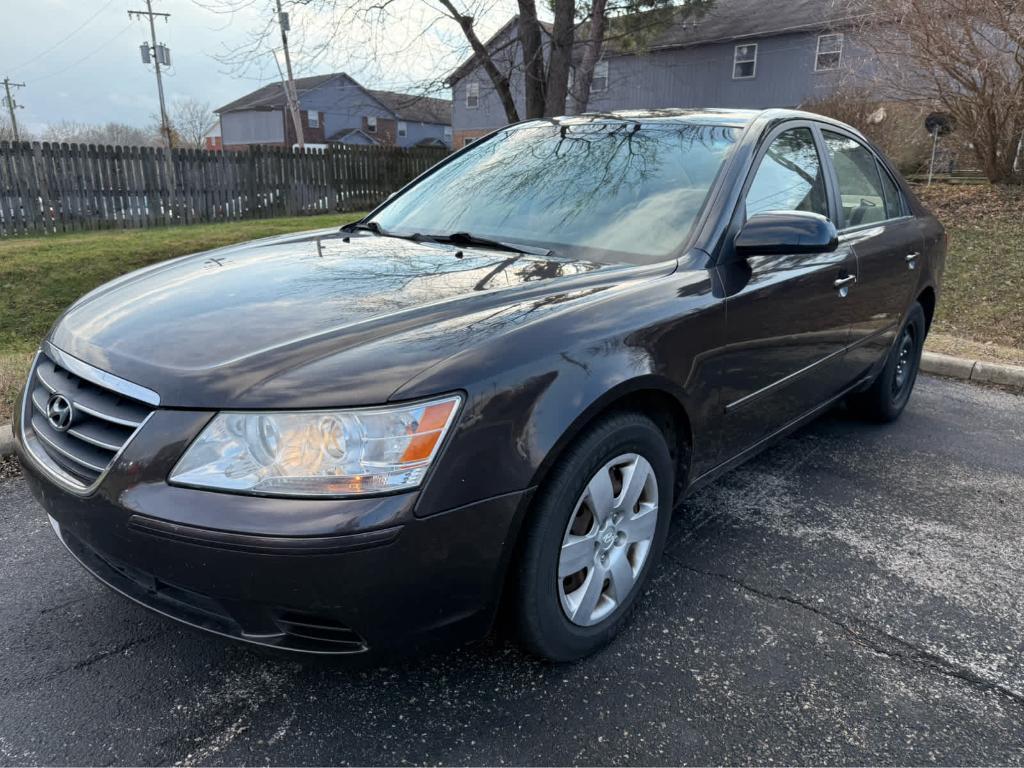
(860,185)
(472,95)
(744,61)
(829,55)
(790,177)
(612,190)
(600,81)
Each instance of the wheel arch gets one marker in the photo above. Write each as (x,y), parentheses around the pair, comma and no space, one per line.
(926,298)
(651,395)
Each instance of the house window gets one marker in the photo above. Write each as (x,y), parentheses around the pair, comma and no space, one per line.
(600,82)
(371,125)
(313,119)
(402,128)
(472,95)
(467,140)
(744,61)
(448,133)
(829,54)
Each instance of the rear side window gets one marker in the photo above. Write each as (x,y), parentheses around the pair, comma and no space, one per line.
(789,177)
(860,184)
(893,199)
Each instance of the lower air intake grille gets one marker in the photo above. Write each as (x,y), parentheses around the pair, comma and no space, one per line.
(77,414)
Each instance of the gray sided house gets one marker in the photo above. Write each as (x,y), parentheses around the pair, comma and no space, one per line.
(335,109)
(741,54)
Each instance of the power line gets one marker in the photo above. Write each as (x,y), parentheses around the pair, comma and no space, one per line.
(11,104)
(89,55)
(67,37)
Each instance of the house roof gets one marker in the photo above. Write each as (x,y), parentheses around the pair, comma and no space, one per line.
(343,134)
(405,106)
(271,96)
(415,109)
(738,19)
(725,20)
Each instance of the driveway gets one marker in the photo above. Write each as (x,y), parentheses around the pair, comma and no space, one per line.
(854,595)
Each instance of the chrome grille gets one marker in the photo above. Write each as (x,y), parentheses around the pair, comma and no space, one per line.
(104,416)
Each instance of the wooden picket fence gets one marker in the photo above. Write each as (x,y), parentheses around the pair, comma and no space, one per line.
(48,188)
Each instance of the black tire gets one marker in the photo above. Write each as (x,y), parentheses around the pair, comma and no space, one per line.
(540,620)
(889,393)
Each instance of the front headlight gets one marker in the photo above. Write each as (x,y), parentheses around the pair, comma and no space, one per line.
(318,453)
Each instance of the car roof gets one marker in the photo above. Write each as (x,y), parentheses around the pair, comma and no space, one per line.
(733,118)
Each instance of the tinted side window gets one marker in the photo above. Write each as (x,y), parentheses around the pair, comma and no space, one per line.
(893,198)
(860,187)
(789,177)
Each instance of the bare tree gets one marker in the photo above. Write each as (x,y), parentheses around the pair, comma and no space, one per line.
(965,57)
(371,32)
(112,133)
(7,131)
(190,120)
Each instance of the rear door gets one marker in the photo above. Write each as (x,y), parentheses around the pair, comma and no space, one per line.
(786,323)
(875,221)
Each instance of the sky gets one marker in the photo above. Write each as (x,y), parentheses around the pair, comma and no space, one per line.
(80,59)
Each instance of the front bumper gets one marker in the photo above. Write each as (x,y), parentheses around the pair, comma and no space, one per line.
(322,576)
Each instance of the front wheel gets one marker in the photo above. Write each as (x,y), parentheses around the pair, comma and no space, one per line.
(889,393)
(593,538)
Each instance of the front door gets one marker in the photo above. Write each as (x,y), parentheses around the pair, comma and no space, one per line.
(786,320)
(875,223)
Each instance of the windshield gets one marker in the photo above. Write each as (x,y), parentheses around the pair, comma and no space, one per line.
(625,190)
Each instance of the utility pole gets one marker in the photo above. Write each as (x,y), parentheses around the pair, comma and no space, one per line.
(12,104)
(161,55)
(289,87)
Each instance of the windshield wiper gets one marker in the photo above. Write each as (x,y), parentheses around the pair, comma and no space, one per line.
(470,240)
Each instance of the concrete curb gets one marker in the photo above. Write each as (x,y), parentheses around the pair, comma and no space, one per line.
(6,440)
(1010,376)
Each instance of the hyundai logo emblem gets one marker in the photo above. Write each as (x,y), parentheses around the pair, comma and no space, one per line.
(59,412)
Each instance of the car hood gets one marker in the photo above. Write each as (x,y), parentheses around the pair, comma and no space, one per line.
(263,324)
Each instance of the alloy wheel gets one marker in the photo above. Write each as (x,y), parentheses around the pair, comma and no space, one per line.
(607,539)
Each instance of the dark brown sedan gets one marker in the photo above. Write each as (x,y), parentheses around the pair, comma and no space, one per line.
(491,392)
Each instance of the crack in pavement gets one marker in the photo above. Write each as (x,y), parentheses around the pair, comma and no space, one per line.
(883,643)
(98,657)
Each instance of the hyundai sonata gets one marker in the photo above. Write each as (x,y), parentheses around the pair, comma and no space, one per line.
(491,392)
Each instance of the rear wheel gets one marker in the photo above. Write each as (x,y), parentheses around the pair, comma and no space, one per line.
(594,535)
(889,393)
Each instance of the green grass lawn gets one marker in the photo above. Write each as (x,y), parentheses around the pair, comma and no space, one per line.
(983,288)
(40,276)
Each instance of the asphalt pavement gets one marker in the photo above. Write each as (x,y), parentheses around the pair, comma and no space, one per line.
(851,596)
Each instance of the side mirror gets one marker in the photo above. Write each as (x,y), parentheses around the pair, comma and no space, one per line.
(786,232)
